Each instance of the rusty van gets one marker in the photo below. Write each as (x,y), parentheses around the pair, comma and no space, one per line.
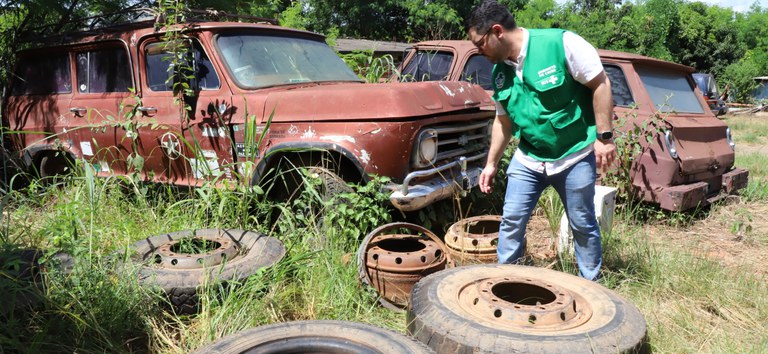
(261,96)
(690,159)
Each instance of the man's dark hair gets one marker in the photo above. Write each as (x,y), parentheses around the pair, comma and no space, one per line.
(487,14)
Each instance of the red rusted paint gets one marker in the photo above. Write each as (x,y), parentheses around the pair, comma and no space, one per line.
(373,126)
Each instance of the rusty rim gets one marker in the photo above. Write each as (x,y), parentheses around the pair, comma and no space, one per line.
(469,235)
(524,304)
(167,256)
(403,253)
(372,241)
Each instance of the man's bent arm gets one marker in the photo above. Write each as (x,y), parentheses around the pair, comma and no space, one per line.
(500,137)
(602,103)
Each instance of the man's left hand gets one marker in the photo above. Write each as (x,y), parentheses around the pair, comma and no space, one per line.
(605,154)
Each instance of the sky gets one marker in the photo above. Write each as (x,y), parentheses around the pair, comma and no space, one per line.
(736,5)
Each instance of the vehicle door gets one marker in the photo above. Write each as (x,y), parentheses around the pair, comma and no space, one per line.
(191,146)
(103,103)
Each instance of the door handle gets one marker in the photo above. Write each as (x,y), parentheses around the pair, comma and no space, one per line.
(147,110)
(78,111)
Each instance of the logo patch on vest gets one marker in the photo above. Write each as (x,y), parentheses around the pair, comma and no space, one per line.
(500,79)
(549,81)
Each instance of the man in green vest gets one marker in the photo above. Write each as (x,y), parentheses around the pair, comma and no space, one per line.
(551,92)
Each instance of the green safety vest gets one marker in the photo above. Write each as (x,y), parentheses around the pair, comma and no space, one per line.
(551,112)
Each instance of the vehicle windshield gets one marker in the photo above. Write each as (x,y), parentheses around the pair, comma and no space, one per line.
(262,60)
(670,90)
(428,66)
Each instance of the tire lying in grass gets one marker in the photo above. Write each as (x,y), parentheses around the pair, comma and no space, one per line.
(510,308)
(21,281)
(181,262)
(317,337)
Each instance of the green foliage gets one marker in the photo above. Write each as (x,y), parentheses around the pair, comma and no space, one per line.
(369,67)
(636,134)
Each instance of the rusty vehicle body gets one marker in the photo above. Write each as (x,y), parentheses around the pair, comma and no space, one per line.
(689,160)
(263,94)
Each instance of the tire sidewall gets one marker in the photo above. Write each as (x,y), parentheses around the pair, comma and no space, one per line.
(615,325)
(260,251)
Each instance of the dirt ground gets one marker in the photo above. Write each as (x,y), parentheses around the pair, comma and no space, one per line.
(735,234)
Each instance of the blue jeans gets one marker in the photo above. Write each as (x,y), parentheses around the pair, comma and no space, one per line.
(576,187)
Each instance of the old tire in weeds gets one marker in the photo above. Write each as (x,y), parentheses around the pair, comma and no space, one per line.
(181,262)
(510,308)
(317,337)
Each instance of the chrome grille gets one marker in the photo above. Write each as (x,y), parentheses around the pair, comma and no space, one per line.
(461,139)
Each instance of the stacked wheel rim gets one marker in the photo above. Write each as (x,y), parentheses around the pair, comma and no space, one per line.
(392,261)
(473,240)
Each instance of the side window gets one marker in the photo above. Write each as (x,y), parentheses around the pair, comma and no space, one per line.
(619,88)
(42,75)
(103,70)
(428,66)
(478,71)
(158,61)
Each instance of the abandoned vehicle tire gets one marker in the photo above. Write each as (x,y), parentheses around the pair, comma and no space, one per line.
(230,255)
(317,337)
(512,308)
(332,184)
(52,164)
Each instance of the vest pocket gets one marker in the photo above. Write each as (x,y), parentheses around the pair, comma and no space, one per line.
(566,118)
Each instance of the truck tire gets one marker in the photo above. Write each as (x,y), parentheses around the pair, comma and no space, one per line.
(317,337)
(241,254)
(512,308)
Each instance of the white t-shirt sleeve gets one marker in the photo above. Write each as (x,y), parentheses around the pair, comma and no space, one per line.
(500,110)
(582,58)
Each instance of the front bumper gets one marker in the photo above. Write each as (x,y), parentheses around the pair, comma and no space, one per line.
(437,183)
(684,197)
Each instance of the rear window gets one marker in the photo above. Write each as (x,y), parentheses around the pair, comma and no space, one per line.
(622,96)
(670,90)
(428,66)
(42,75)
(478,71)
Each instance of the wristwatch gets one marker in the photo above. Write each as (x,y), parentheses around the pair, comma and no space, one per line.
(605,136)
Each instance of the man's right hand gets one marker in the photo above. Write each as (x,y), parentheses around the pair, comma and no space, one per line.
(486,179)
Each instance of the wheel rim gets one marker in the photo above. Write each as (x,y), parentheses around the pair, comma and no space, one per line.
(524,304)
(167,256)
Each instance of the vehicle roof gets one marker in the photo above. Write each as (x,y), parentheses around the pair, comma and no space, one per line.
(466,45)
(143,28)
(458,44)
(643,59)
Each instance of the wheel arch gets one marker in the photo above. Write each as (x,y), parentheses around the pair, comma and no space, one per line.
(311,153)
(32,155)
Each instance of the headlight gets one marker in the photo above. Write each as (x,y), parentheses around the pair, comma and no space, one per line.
(728,136)
(670,141)
(425,148)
